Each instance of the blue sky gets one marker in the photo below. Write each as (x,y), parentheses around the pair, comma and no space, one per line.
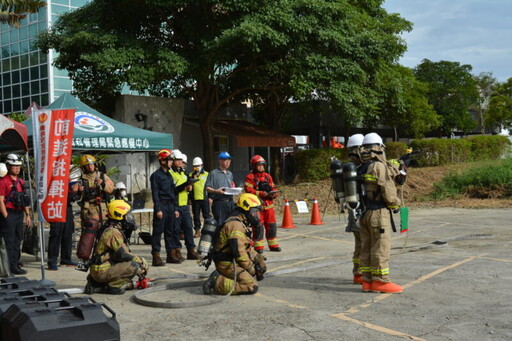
(474,32)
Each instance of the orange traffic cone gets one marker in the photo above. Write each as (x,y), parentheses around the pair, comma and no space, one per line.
(287,217)
(315,215)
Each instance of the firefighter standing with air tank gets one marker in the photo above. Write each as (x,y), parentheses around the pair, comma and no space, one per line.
(380,198)
(94,192)
(261,184)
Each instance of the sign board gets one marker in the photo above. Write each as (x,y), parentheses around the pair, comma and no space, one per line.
(302,206)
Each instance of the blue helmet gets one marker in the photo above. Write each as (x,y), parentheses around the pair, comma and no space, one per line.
(224,156)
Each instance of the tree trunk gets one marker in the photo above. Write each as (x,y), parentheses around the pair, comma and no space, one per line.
(206,100)
(275,158)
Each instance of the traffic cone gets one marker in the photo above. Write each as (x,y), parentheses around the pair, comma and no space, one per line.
(315,215)
(287,217)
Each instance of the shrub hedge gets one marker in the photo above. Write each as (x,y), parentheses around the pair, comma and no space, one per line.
(313,164)
(437,152)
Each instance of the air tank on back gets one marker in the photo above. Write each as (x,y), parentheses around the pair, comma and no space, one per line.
(350,179)
(337,181)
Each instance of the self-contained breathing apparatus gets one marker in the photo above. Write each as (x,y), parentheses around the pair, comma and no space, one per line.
(18,198)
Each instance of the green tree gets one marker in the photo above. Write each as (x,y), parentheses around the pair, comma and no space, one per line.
(500,106)
(452,91)
(12,11)
(404,105)
(486,84)
(216,52)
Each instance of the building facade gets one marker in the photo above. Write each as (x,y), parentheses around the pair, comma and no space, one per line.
(26,73)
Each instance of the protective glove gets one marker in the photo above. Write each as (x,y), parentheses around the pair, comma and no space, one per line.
(260,266)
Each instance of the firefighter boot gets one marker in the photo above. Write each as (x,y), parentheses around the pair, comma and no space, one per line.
(358,279)
(192,254)
(92,286)
(157,261)
(172,258)
(367,286)
(115,291)
(179,255)
(390,288)
(209,285)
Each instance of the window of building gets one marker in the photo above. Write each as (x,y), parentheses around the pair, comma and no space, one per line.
(220,143)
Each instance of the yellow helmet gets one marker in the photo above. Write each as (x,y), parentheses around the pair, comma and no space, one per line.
(86,160)
(117,209)
(248,201)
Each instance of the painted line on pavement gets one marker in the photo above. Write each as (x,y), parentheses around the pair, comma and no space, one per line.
(384,330)
(497,259)
(283,302)
(296,263)
(317,237)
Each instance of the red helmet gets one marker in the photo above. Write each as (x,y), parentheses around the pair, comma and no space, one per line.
(164,154)
(257,160)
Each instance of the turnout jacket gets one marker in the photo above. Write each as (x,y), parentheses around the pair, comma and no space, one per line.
(253,184)
(380,186)
(234,241)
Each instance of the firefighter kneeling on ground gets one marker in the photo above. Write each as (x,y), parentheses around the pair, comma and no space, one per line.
(232,250)
(113,266)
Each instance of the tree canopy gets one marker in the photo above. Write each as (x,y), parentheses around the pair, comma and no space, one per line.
(499,112)
(216,52)
(452,91)
(403,104)
(12,11)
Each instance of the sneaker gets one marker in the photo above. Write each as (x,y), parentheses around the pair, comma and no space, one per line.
(209,284)
(115,291)
(53,267)
(70,263)
(18,271)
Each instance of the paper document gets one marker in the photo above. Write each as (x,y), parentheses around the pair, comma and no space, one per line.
(232,191)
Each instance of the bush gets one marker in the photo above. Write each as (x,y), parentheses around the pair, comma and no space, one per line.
(395,149)
(437,152)
(313,164)
(490,179)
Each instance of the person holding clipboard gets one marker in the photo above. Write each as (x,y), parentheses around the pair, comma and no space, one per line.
(260,183)
(216,184)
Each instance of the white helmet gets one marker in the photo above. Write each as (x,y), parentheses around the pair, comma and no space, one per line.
(177,155)
(120,185)
(185,158)
(13,160)
(197,161)
(3,169)
(373,138)
(355,140)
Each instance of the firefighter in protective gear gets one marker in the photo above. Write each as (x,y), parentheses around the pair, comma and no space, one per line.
(113,265)
(95,190)
(232,245)
(354,153)
(375,225)
(260,183)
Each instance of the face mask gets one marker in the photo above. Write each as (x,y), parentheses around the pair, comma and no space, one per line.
(123,193)
(198,169)
(254,218)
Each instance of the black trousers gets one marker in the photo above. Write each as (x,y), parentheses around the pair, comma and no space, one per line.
(11,229)
(198,207)
(221,210)
(166,226)
(61,237)
(184,225)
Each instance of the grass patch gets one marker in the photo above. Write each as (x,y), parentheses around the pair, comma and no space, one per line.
(490,179)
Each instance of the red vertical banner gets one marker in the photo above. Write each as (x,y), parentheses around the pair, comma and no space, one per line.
(53,137)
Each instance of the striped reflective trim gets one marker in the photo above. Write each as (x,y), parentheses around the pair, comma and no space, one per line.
(228,284)
(259,242)
(272,242)
(380,272)
(236,234)
(101,267)
(355,260)
(369,177)
(268,207)
(248,184)
(365,269)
